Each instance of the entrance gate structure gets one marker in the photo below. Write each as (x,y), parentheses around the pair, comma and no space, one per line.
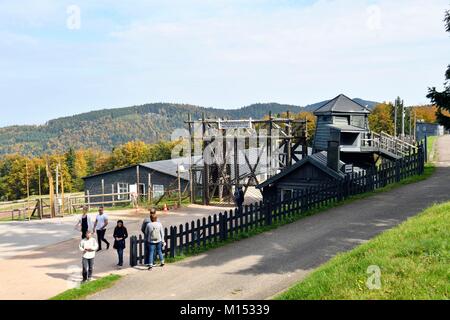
(228,154)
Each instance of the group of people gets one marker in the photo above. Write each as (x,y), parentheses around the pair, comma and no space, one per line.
(89,245)
(152,229)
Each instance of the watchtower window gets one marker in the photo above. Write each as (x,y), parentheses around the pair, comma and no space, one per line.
(358,121)
(343,120)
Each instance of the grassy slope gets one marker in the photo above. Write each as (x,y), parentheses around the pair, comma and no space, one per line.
(88,288)
(432,152)
(414,259)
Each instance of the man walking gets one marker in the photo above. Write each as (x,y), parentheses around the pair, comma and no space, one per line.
(101,221)
(88,246)
(143,229)
(154,238)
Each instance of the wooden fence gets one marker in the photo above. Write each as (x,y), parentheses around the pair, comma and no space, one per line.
(191,236)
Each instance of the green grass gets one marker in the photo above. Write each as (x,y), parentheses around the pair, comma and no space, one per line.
(414,259)
(88,288)
(429,170)
(432,150)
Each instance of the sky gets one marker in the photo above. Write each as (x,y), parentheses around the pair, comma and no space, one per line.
(60,58)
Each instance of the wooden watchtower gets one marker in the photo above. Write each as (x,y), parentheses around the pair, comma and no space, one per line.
(349,120)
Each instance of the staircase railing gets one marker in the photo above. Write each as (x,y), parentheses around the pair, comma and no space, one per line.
(385,142)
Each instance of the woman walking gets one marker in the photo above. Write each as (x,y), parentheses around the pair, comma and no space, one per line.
(84,223)
(154,237)
(120,234)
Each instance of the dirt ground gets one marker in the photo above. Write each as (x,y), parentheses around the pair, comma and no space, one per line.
(39,259)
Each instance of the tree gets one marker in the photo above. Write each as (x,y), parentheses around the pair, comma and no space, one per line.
(311,118)
(381,119)
(131,153)
(442,99)
(426,113)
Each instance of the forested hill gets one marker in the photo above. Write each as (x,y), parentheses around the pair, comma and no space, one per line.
(107,128)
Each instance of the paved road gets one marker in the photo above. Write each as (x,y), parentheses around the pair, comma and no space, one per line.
(41,258)
(259,267)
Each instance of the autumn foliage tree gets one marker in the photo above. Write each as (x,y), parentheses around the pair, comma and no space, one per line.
(381,120)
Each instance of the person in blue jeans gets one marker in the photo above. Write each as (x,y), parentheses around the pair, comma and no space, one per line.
(120,235)
(154,238)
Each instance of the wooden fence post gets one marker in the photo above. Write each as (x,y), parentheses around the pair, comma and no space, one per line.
(397,171)
(225,226)
(221,226)
(133,251)
(268,213)
(173,241)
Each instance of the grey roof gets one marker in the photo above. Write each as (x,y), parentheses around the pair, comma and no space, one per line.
(170,166)
(346,128)
(341,104)
(318,159)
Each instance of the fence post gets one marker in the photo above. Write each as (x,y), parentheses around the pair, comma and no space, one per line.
(268,213)
(225,225)
(397,171)
(133,251)
(173,241)
(347,186)
(221,227)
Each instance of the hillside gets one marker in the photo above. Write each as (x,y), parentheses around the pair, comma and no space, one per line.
(104,129)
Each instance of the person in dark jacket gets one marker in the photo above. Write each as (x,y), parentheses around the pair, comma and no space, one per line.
(120,235)
(239,198)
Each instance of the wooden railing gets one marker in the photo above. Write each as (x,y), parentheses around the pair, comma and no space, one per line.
(388,143)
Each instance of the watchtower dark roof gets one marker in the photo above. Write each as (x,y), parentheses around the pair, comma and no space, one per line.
(341,104)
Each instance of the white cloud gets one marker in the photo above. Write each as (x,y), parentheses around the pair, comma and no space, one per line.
(230,53)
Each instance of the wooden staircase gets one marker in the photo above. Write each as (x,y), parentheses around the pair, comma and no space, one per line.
(387,145)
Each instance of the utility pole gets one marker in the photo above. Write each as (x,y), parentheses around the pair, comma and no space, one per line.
(415,125)
(57,181)
(410,122)
(62,190)
(51,190)
(395,117)
(149,191)
(403,120)
(179,185)
(28,180)
(28,187)
(39,182)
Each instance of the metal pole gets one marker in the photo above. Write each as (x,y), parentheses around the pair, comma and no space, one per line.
(103,191)
(28,188)
(62,191)
(179,185)
(403,119)
(415,125)
(149,189)
(138,181)
(395,117)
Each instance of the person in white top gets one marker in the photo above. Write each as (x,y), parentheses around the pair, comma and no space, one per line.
(101,221)
(88,246)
